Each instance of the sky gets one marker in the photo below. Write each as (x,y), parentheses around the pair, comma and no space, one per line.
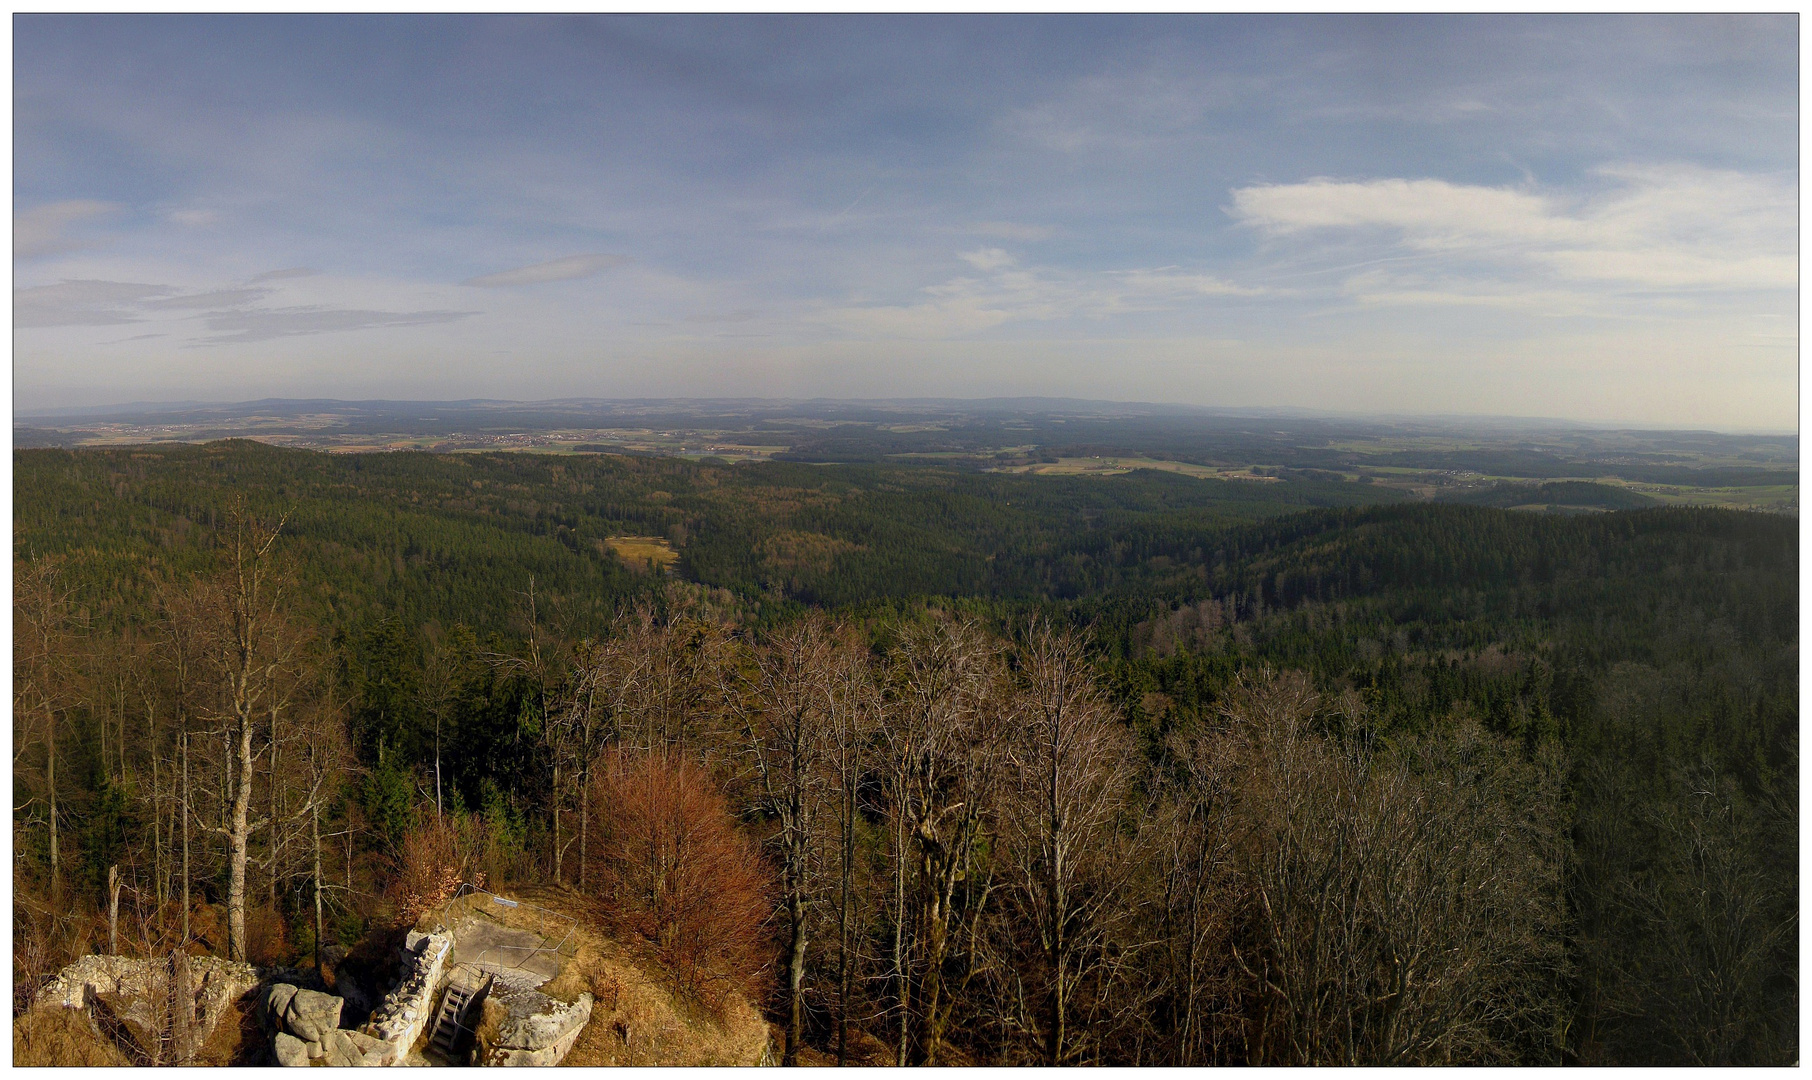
(1592,218)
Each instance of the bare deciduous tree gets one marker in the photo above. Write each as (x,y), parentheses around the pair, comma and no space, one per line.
(1062,817)
(945,748)
(253,652)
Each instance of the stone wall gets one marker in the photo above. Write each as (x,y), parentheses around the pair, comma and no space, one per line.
(138,993)
(408,1009)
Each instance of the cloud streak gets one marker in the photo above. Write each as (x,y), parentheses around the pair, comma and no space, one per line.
(569,268)
(83,302)
(46,230)
(242,327)
(231,316)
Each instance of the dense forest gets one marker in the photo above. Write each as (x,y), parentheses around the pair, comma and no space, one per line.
(1139,769)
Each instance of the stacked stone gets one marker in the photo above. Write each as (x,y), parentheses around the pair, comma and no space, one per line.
(140,993)
(77,986)
(408,1009)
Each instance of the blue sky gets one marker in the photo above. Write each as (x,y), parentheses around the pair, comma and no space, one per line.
(1586,217)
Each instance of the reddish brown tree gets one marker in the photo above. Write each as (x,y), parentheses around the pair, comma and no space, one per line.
(672,868)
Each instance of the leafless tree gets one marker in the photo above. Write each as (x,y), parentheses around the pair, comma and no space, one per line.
(1063,832)
(46,685)
(855,707)
(1406,900)
(788,730)
(945,750)
(253,653)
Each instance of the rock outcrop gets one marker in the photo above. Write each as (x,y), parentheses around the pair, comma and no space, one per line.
(306,1026)
(522,1026)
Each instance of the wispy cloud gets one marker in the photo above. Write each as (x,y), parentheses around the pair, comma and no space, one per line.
(280,275)
(46,230)
(212,301)
(240,327)
(1655,228)
(986,259)
(83,303)
(1009,230)
(231,316)
(739,315)
(566,269)
(1009,293)
(1175,281)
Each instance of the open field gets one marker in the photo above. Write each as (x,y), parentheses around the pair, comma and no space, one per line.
(1111,465)
(642,553)
(1446,459)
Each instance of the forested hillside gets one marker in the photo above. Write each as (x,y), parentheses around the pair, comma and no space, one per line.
(1044,768)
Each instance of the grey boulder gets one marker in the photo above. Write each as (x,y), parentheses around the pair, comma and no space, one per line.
(274,1000)
(310,1015)
(291,1051)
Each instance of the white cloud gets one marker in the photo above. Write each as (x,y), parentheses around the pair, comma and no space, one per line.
(231,316)
(1675,228)
(985,259)
(566,269)
(44,230)
(212,301)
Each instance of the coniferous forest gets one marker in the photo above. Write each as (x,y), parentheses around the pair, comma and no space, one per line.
(1140,769)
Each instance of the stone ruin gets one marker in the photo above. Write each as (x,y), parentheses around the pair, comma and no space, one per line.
(158,1011)
(162,1010)
(492,971)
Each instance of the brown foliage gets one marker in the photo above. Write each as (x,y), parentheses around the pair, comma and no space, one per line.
(267,941)
(436,858)
(672,869)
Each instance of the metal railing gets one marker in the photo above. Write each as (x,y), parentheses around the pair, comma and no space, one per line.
(547,924)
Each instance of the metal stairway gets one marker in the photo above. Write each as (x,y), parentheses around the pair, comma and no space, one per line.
(449,1022)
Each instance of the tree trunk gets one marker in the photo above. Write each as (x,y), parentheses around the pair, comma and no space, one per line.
(795,977)
(159,880)
(238,833)
(276,852)
(56,864)
(185,837)
(848,857)
(936,943)
(314,825)
(113,910)
(437,768)
(182,1009)
(902,985)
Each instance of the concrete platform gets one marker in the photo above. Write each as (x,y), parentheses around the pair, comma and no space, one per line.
(495,948)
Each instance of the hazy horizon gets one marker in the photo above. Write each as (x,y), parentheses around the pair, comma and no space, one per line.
(1577,218)
(1027,402)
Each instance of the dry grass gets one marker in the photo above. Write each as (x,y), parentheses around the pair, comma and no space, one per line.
(638,1017)
(641,551)
(53,1035)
